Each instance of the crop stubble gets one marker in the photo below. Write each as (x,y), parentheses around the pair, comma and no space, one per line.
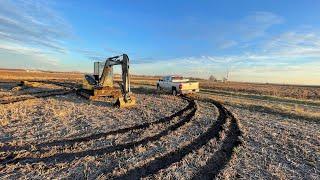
(146,148)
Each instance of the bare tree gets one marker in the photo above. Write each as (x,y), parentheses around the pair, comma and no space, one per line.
(212,78)
(224,79)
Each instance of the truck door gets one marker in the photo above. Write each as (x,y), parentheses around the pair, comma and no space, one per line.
(168,84)
(165,83)
(162,82)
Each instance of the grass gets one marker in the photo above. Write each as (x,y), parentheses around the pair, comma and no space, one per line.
(273,108)
(264,97)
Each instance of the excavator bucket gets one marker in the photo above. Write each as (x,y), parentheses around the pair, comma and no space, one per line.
(122,103)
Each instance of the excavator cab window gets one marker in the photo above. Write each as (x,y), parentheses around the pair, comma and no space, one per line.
(98,68)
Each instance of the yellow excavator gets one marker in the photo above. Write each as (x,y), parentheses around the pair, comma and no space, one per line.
(101,84)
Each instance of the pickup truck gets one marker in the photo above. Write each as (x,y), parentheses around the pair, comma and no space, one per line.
(177,85)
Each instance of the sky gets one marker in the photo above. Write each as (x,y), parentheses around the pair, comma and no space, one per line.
(267,41)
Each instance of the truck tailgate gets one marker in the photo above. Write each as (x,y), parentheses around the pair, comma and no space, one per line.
(190,85)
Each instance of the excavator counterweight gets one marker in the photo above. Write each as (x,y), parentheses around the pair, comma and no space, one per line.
(100,84)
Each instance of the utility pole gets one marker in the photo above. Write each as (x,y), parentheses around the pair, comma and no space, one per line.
(227,73)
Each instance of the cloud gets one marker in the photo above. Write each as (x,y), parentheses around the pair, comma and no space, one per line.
(90,54)
(113,51)
(19,49)
(276,58)
(294,44)
(227,44)
(34,53)
(256,24)
(224,34)
(97,55)
(133,60)
(33,23)
(84,51)
(245,30)
(96,58)
(265,19)
(143,60)
(288,73)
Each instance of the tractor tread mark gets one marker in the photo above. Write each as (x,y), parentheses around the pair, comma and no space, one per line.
(212,168)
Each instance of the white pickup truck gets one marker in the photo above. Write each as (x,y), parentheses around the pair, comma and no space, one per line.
(177,85)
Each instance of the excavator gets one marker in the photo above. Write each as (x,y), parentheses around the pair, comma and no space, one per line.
(101,83)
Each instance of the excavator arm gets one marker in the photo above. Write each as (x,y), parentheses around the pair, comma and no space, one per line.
(106,75)
(106,78)
(125,85)
(104,85)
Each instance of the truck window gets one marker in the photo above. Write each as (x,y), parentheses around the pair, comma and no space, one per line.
(178,78)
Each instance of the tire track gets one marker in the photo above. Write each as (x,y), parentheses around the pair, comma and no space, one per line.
(68,88)
(67,157)
(72,141)
(36,95)
(175,139)
(70,85)
(213,131)
(225,123)
(221,157)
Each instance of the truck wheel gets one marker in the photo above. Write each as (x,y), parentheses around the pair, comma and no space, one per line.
(174,92)
(158,87)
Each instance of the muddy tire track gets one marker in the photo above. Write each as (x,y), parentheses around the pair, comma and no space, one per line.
(213,166)
(226,123)
(221,157)
(72,141)
(67,157)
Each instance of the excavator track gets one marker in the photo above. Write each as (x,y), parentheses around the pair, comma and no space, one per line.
(85,94)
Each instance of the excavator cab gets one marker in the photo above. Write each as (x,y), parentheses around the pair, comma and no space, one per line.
(100,84)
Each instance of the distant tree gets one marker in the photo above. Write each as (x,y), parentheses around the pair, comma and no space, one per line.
(224,79)
(212,78)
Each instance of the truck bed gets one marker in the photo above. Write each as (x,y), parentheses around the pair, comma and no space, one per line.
(189,85)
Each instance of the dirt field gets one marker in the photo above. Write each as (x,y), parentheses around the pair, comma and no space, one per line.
(16,75)
(276,146)
(50,132)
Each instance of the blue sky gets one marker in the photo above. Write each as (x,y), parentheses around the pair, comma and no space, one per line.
(257,41)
